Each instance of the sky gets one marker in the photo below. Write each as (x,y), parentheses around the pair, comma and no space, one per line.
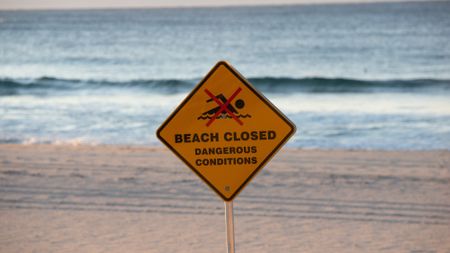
(88,4)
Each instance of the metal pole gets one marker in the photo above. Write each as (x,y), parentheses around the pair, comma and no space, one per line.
(229,218)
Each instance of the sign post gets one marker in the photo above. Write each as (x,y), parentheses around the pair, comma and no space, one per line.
(229,219)
(225,131)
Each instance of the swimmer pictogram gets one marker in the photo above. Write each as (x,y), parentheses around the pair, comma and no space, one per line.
(225,109)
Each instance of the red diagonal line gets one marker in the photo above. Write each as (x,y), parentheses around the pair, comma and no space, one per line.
(223,107)
(228,102)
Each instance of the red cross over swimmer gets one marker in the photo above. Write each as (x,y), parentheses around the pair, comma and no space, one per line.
(223,107)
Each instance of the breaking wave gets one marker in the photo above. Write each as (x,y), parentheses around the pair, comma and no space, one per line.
(50,85)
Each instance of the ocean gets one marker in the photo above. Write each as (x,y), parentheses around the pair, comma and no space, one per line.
(351,76)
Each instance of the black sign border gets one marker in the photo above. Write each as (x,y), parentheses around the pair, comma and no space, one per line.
(257,93)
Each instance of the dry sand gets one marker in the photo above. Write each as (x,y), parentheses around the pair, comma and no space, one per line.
(142,199)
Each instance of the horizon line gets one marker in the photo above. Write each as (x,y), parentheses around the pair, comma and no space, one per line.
(205,6)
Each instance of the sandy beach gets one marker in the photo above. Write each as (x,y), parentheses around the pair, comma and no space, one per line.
(59,198)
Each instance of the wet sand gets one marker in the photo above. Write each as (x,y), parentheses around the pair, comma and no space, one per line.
(143,199)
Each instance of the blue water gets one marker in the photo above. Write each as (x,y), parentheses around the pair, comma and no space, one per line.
(370,76)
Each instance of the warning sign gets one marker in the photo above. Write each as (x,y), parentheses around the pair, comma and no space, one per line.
(225,131)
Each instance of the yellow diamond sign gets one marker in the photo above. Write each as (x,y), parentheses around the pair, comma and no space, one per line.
(225,130)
